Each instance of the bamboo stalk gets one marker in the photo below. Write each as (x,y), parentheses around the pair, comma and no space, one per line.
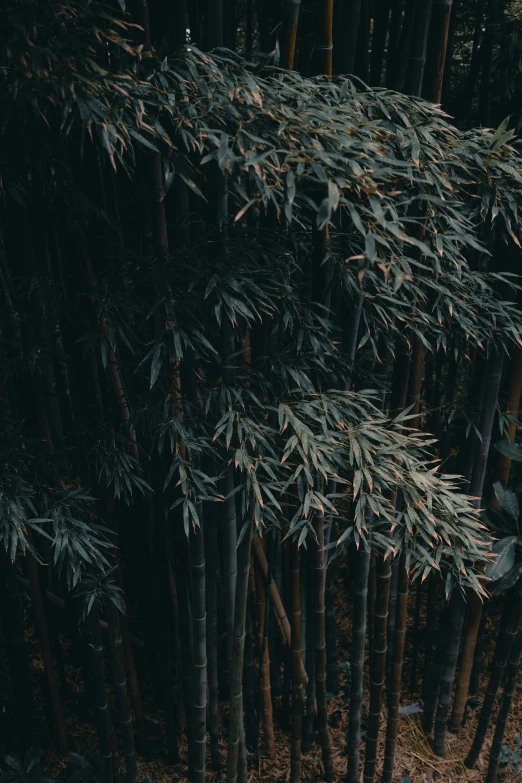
(394,696)
(503,465)
(466,663)
(211,549)
(13,624)
(236,674)
(353,737)
(282,619)
(438,43)
(199,625)
(457,613)
(320,651)
(120,690)
(229,538)
(290,21)
(351,16)
(297,685)
(377,667)
(505,707)
(263,595)
(102,702)
(419,48)
(504,644)
(324,41)
(380,30)
(37,603)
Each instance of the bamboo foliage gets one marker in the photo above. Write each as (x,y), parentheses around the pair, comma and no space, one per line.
(241,269)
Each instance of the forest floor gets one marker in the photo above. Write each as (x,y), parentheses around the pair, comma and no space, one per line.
(415,760)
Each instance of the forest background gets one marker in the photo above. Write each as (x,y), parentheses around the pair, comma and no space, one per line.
(260,375)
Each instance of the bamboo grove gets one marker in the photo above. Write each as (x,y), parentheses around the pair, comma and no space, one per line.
(261,366)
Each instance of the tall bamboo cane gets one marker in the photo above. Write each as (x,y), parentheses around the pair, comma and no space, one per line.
(290,21)
(320,651)
(199,625)
(396,675)
(438,42)
(504,644)
(236,673)
(120,690)
(297,685)
(505,707)
(456,614)
(377,667)
(357,679)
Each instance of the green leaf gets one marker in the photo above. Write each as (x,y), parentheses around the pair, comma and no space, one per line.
(508,449)
(505,560)
(507,499)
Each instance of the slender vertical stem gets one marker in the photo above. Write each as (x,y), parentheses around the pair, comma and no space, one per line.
(457,610)
(353,737)
(290,21)
(229,536)
(503,465)
(350,22)
(466,663)
(415,640)
(263,596)
(13,624)
(42,627)
(211,548)
(478,655)
(380,30)
(418,48)
(332,685)
(120,690)
(377,667)
(199,626)
(297,685)
(505,707)
(431,632)
(320,651)
(100,692)
(438,43)
(502,652)
(396,677)
(236,674)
